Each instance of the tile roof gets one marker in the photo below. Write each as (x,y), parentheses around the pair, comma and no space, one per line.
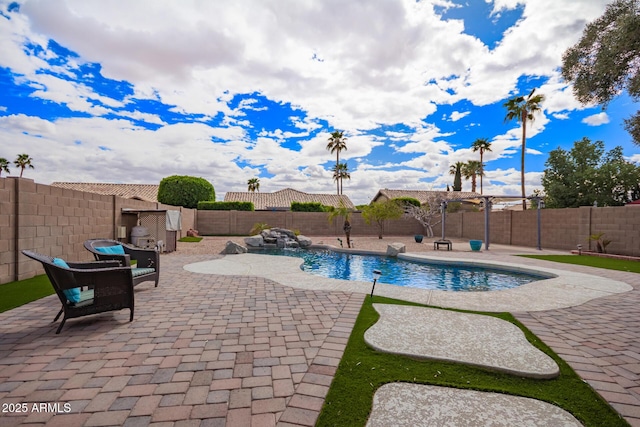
(283,198)
(423,195)
(146,192)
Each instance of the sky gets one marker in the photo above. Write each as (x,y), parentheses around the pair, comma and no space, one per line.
(131,91)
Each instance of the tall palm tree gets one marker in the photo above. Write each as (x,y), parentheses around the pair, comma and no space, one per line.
(4,165)
(22,161)
(481,145)
(456,170)
(472,169)
(253,184)
(341,171)
(337,142)
(523,109)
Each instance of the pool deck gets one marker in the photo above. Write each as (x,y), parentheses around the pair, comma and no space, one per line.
(248,349)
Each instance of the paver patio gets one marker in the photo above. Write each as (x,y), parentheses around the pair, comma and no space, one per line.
(237,350)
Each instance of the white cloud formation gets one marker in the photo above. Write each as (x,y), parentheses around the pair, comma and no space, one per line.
(596,119)
(370,64)
(456,115)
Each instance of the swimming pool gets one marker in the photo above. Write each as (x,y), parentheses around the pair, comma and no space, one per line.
(338,265)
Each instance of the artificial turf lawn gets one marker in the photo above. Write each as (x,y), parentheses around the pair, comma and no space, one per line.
(591,261)
(363,370)
(190,239)
(15,294)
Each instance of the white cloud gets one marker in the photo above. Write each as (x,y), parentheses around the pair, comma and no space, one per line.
(383,63)
(596,119)
(456,115)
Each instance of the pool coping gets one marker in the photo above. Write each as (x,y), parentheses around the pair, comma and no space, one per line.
(567,289)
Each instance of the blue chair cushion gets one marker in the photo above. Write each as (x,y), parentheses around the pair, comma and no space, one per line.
(73,295)
(142,271)
(112,250)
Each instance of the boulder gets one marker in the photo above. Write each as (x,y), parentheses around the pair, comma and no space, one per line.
(304,241)
(256,241)
(233,248)
(283,231)
(394,249)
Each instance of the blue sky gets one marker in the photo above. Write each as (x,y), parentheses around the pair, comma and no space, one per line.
(133,91)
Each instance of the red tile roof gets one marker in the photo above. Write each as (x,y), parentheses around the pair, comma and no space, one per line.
(282,199)
(146,192)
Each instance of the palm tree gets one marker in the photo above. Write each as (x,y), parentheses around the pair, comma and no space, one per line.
(4,165)
(522,109)
(481,145)
(22,161)
(456,169)
(337,142)
(253,184)
(341,171)
(472,169)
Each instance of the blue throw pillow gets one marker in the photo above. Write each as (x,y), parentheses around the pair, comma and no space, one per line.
(115,250)
(73,295)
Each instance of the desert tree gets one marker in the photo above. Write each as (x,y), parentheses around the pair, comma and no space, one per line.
(605,60)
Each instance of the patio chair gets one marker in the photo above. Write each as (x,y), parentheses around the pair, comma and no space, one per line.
(109,287)
(148,260)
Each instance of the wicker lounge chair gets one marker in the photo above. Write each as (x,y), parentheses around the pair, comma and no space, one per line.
(87,288)
(148,260)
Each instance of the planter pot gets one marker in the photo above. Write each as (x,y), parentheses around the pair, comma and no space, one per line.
(476,245)
(418,238)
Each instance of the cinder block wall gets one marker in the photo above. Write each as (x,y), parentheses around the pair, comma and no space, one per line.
(560,228)
(56,221)
(308,223)
(7,230)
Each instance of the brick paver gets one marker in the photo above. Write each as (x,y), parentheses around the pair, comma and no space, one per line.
(246,351)
(202,350)
(600,340)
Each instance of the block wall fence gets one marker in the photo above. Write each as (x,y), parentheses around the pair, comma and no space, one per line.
(560,228)
(56,221)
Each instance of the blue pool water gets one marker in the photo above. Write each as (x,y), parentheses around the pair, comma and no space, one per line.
(398,272)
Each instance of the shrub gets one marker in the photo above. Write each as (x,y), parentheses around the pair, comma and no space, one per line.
(186,191)
(226,206)
(407,201)
(259,227)
(309,207)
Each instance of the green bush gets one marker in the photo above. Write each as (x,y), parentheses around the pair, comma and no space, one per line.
(309,207)
(226,206)
(407,201)
(186,191)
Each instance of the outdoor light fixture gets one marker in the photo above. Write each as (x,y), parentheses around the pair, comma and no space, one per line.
(579,249)
(376,276)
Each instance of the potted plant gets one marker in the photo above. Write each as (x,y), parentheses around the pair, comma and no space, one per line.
(418,238)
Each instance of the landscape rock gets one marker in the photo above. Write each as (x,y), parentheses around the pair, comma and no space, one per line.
(256,241)
(394,249)
(282,238)
(304,241)
(233,248)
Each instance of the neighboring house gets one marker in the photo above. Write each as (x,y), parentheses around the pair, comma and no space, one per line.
(423,196)
(146,192)
(281,200)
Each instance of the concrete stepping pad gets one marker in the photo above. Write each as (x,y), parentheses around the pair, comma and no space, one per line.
(473,339)
(415,405)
